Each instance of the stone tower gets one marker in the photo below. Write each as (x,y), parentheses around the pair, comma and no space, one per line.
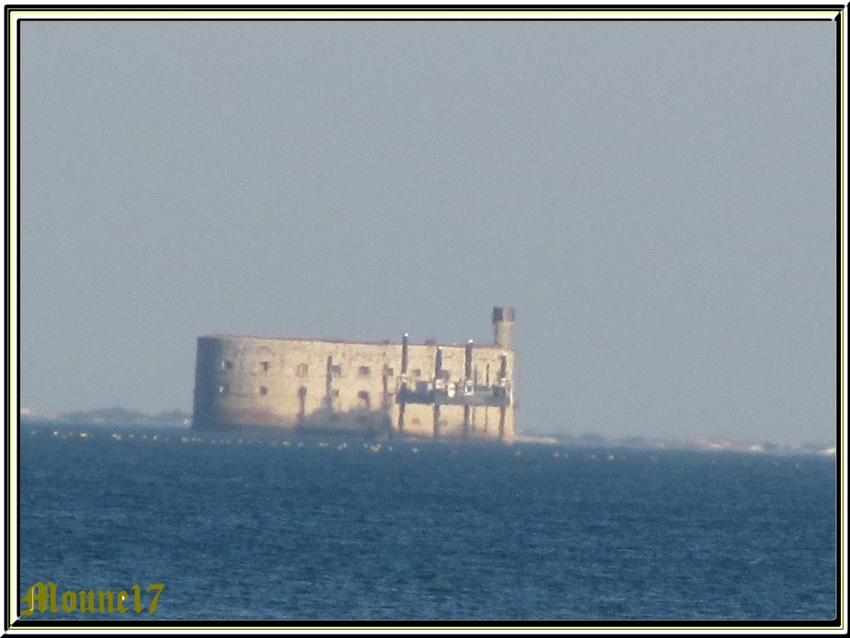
(503,321)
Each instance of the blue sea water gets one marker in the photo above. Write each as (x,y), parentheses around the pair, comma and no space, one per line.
(275,527)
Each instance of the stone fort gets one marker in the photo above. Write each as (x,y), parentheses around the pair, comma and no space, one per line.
(457,391)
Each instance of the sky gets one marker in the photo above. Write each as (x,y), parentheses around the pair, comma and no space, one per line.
(656,199)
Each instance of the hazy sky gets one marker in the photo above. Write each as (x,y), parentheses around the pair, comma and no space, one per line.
(656,199)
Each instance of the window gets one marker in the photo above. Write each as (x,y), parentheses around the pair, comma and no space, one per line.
(416,421)
(336,371)
(264,366)
(388,372)
(417,372)
(365,402)
(264,390)
(363,371)
(334,393)
(226,365)
(301,370)
(444,375)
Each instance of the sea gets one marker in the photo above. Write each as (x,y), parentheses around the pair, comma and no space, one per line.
(276,527)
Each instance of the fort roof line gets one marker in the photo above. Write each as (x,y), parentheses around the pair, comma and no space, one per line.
(348,341)
(502,319)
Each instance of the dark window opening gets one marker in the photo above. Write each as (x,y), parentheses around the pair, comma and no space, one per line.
(264,390)
(364,371)
(336,371)
(226,365)
(264,366)
(365,401)
(301,370)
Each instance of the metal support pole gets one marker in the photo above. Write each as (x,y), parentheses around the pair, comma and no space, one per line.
(329,383)
(404,355)
(502,411)
(403,383)
(438,373)
(467,374)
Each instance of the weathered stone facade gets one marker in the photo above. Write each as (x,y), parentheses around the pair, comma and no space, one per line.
(395,389)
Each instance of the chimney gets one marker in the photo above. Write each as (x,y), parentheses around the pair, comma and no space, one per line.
(503,321)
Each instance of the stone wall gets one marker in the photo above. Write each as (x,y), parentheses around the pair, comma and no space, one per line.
(338,386)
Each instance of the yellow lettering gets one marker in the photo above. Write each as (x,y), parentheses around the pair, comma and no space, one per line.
(122,596)
(41,598)
(101,595)
(83,601)
(137,599)
(69,601)
(158,587)
(40,595)
(30,599)
(52,587)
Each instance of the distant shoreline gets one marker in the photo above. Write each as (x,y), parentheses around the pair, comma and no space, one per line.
(108,416)
(126,417)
